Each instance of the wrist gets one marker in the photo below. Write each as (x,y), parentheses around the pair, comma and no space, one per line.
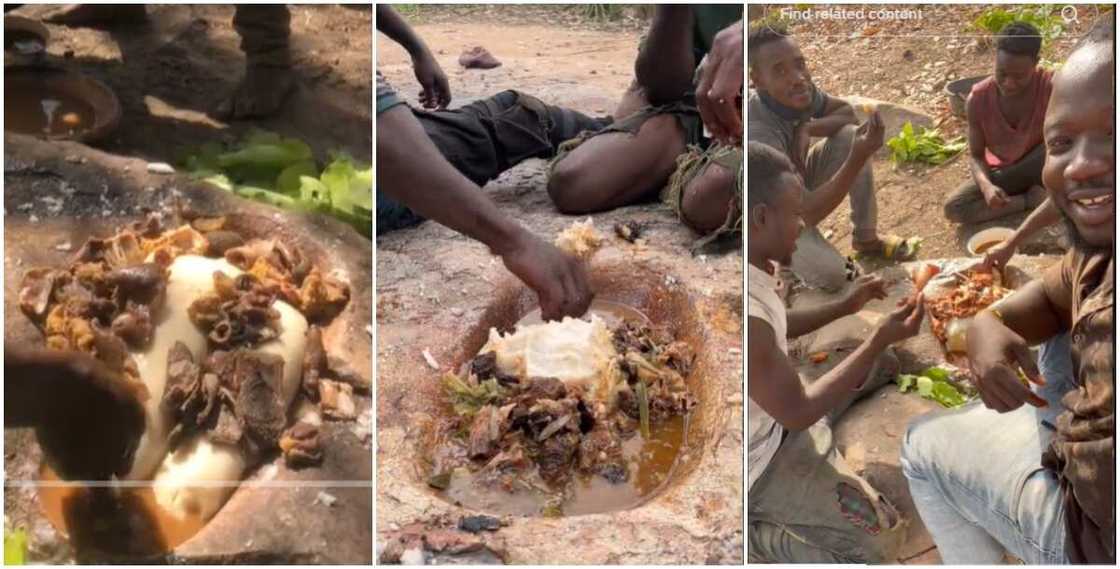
(506,237)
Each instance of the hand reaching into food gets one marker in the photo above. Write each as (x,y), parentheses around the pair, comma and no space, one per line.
(995,353)
(88,418)
(864,290)
(998,255)
(904,322)
(559,279)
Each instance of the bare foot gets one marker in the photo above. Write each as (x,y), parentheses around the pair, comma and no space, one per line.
(261,93)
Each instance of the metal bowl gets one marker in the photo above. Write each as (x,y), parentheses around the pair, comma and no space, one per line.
(43,83)
(957,93)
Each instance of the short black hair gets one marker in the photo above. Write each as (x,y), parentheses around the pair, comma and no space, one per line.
(1019,38)
(762,34)
(765,166)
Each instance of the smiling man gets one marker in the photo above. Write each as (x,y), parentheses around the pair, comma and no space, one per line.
(786,111)
(1029,480)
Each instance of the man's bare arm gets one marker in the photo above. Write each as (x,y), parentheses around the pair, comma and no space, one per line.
(804,320)
(665,64)
(411,170)
(1031,313)
(774,385)
(837,113)
(393,25)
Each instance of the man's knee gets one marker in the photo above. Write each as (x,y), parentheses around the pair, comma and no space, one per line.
(707,198)
(918,445)
(566,180)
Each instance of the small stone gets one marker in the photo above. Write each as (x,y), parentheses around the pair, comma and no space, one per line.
(160,168)
(432,363)
(325,499)
(476,524)
(64,246)
(414,556)
(456,311)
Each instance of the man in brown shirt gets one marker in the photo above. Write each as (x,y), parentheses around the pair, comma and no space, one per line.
(1039,482)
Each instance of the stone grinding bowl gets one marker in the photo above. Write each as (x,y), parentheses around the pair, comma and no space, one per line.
(45,81)
(261,524)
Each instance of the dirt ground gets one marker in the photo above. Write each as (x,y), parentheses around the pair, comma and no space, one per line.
(909,62)
(172,71)
(436,289)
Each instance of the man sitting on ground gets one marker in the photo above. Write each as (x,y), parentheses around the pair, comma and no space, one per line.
(1005,114)
(1029,481)
(786,111)
(806,505)
(658,146)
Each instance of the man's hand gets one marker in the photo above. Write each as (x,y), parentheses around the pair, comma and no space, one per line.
(437,92)
(901,324)
(559,279)
(863,290)
(994,196)
(88,418)
(998,256)
(721,81)
(994,353)
(869,136)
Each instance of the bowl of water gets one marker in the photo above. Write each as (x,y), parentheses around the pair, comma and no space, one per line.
(56,104)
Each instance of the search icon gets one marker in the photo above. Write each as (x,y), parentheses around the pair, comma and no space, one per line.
(1069,14)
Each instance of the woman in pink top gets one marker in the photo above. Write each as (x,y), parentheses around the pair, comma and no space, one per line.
(1005,114)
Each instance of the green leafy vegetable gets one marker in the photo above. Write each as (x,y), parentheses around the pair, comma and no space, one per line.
(15,547)
(643,407)
(905,381)
(467,398)
(282,172)
(926,146)
(933,384)
(1046,18)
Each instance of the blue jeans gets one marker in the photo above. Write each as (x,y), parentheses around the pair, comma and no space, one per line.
(976,476)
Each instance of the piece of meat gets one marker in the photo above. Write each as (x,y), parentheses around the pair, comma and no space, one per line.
(145,284)
(677,356)
(182,378)
(257,376)
(245,256)
(314,362)
(555,456)
(487,429)
(322,297)
(600,452)
(485,366)
(337,400)
(134,326)
(35,292)
(221,242)
(301,446)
